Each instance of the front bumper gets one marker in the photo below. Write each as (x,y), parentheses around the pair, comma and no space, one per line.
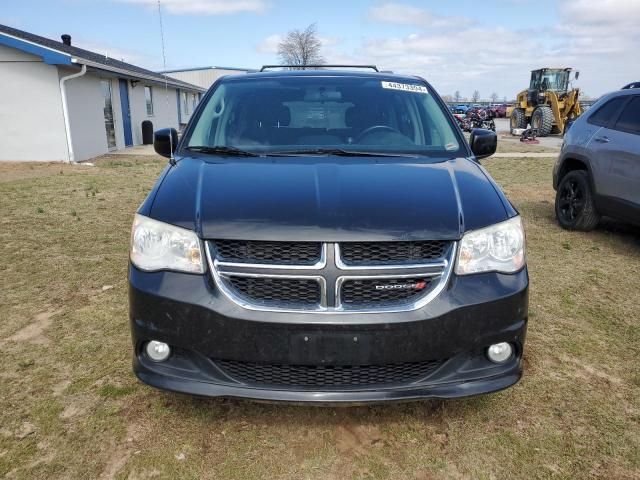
(204,328)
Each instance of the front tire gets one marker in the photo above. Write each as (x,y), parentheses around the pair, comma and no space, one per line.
(542,120)
(575,207)
(518,119)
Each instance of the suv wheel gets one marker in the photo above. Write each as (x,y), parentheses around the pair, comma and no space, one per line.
(575,209)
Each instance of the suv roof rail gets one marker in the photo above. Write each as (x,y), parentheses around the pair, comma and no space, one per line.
(631,85)
(303,67)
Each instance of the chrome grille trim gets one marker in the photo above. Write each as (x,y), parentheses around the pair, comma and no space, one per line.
(330,274)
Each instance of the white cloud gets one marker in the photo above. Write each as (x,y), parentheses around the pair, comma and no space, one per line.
(599,38)
(402,14)
(456,53)
(618,12)
(205,7)
(269,44)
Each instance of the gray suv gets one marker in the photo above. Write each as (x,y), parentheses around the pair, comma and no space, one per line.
(598,170)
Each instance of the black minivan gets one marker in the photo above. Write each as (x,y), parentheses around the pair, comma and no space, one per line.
(327,236)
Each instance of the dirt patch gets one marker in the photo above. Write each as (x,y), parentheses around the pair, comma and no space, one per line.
(589,372)
(59,388)
(357,439)
(120,454)
(76,406)
(34,332)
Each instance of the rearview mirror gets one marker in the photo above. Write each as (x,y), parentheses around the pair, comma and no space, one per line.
(483,142)
(165,141)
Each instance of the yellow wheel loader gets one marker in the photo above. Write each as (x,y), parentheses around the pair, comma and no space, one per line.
(547,105)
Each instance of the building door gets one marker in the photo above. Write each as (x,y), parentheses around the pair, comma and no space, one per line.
(109,125)
(126,112)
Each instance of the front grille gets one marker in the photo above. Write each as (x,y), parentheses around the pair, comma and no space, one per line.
(330,277)
(326,375)
(241,251)
(280,291)
(383,291)
(376,253)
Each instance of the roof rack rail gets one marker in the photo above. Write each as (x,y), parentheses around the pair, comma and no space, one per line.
(304,67)
(631,85)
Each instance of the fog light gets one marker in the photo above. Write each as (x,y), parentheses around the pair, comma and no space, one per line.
(157,351)
(499,352)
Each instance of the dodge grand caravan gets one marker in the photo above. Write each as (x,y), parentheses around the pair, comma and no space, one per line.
(327,236)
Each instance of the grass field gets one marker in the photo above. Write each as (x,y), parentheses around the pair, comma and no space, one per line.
(71,408)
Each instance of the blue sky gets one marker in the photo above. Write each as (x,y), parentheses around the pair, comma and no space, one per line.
(460,45)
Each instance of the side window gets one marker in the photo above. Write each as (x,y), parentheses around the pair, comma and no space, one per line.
(148,96)
(606,112)
(629,120)
(185,104)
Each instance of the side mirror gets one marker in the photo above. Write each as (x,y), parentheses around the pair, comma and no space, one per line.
(577,75)
(483,142)
(165,141)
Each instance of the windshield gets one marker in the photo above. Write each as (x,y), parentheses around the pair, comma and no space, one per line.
(554,80)
(297,114)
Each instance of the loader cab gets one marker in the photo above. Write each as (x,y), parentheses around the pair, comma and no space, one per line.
(547,80)
(553,79)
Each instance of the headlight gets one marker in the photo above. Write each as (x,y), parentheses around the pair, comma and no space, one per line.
(160,246)
(498,248)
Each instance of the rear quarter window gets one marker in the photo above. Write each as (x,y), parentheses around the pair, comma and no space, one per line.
(602,116)
(629,120)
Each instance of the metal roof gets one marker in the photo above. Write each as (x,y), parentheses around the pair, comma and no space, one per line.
(58,53)
(196,69)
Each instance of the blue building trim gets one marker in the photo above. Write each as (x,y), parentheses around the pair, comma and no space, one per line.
(49,56)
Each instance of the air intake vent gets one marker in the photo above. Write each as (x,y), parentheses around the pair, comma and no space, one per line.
(277,291)
(330,376)
(377,253)
(287,253)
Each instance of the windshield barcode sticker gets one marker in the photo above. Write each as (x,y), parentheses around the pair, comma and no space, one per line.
(407,87)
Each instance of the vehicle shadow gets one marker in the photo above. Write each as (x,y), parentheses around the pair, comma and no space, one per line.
(429,411)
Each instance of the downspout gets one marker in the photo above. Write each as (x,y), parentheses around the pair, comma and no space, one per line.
(65,109)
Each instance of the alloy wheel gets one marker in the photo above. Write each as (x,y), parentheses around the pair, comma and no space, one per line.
(571,202)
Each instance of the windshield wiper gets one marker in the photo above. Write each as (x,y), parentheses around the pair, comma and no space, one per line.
(222,150)
(338,152)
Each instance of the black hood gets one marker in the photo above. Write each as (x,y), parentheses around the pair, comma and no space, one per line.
(322,199)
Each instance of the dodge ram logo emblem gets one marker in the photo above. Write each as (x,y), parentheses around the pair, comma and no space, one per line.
(403,286)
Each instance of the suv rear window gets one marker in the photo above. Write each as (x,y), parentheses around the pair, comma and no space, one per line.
(311,112)
(602,117)
(629,120)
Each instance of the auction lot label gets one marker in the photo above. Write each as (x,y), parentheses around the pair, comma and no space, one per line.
(407,87)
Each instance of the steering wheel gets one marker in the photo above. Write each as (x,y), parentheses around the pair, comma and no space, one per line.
(375,128)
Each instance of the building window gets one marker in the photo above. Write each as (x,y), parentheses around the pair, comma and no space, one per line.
(194,101)
(148,96)
(185,103)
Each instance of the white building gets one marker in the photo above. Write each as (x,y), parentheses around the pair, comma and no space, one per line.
(62,103)
(205,76)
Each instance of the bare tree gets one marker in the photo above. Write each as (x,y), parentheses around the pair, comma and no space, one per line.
(301,47)
(447,98)
(456,96)
(476,96)
(494,97)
